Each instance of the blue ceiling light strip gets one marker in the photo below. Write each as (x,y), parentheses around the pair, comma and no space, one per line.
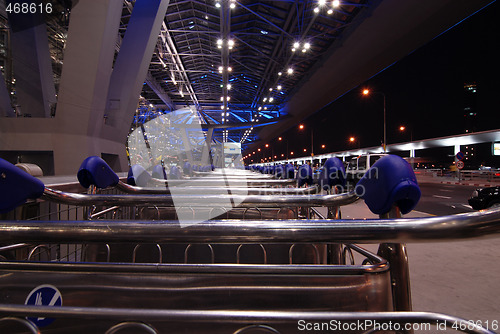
(238,117)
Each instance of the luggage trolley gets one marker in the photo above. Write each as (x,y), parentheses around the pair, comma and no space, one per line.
(81,295)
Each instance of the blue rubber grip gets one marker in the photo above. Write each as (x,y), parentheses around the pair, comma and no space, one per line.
(390,181)
(304,175)
(187,168)
(95,171)
(175,173)
(138,176)
(289,171)
(332,174)
(279,171)
(16,186)
(159,172)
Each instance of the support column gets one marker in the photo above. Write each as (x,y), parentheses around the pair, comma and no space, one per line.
(132,64)
(455,151)
(188,149)
(88,60)
(35,91)
(208,145)
(6,109)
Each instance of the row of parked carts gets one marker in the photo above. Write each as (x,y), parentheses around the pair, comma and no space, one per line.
(215,251)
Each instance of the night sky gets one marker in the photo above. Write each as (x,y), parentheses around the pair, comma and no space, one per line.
(424,92)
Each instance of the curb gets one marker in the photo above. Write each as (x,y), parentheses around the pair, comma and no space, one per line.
(469,184)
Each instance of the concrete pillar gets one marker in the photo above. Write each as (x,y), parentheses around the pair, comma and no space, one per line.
(208,146)
(186,146)
(35,91)
(88,60)
(131,65)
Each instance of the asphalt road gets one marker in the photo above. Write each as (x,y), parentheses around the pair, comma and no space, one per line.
(444,199)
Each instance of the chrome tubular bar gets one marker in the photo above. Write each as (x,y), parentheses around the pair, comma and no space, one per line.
(263,201)
(233,316)
(441,228)
(216,190)
(237,182)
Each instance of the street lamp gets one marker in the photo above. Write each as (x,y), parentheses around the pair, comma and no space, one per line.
(367,92)
(353,139)
(402,128)
(301,127)
(281,139)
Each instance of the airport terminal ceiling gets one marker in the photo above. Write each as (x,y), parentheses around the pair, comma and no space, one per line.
(256,68)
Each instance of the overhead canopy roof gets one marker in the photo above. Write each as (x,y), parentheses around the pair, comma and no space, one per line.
(229,60)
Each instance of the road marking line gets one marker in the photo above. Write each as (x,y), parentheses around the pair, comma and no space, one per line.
(439,196)
(467,206)
(446,190)
(422,213)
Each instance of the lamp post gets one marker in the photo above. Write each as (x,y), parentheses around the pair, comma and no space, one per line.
(301,127)
(286,141)
(402,128)
(367,92)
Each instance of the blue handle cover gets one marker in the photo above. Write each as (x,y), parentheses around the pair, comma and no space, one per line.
(96,171)
(304,175)
(175,173)
(16,186)
(159,172)
(138,176)
(279,171)
(332,174)
(390,181)
(187,168)
(289,171)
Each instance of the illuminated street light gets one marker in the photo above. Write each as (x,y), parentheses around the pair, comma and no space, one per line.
(403,128)
(367,92)
(301,127)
